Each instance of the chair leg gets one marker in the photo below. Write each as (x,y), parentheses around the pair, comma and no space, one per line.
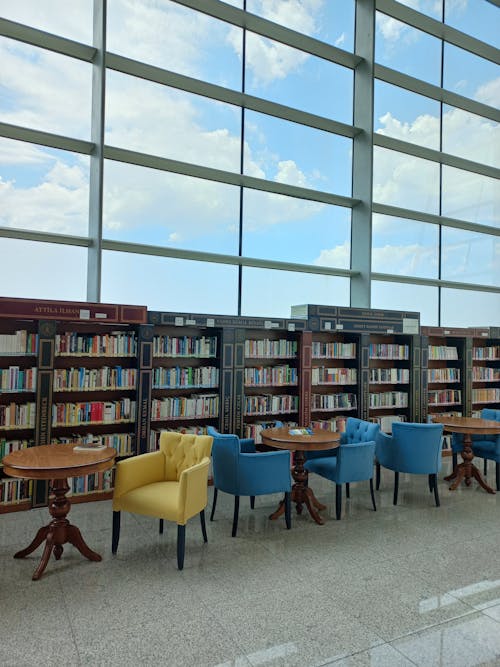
(203,526)
(252,502)
(338,501)
(288,509)
(396,488)
(347,490)
(435,487)
(181,545)
(116,532)
(485,467)
(498,475)
(161,527)
(377,475)
(371,493)
(430,483)
(454,460)
(214,503)
(235,515)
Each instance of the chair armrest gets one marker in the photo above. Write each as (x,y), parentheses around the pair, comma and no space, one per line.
(138,471)
(247,446)
(264,472)
(193,490)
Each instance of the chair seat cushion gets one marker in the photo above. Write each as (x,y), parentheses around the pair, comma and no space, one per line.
(486,449)
(326,467)
(160,500)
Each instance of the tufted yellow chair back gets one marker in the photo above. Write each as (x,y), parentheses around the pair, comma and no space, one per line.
(183,450)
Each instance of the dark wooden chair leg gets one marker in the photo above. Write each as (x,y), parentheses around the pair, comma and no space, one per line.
(485,467)
(203,526)
(347,490)
(435,487)
(252,502)
(214,503)
(338,501)
(288,509)
(454,460)
(430,483)
(116,532)
(377,475)
(396,488)
(372,495)
(235,515)
(161,527)
(181,545)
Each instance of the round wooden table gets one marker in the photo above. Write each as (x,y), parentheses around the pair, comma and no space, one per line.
(57,463)
(467,427)
(302,494)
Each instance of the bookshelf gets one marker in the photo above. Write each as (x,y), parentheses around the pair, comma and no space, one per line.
(485,372)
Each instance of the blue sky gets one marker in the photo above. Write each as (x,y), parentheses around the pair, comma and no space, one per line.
(48,189)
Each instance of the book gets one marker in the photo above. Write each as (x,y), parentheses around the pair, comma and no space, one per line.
(89,447)
(300,431)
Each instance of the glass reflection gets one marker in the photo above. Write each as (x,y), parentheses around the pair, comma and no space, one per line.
(470,257)
(401,296)
(472,197)
(464,308)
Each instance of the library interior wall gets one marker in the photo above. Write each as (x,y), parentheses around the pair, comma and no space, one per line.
(184,156)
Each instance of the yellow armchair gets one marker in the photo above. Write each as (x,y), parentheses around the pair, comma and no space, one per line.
(170,484)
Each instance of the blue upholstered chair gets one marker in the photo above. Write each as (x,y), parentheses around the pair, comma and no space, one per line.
(413,448)
(241,472)
(486,447)
(351,462)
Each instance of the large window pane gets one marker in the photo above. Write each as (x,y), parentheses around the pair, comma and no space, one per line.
(297,79)
(150,118)
(296,154)
(53,16)
(405,247)
(408,50)
(34,270)
(44,90)
(405,181)
(464,308)
(401,296)
(432,8)
(295,230)
(478,18)
(471,137)
(332,22)
(400,114)
(470,257)
(43,189)
(471,197)
(159,208)
(176,38)
(270,293)
(470,75)
(162,283)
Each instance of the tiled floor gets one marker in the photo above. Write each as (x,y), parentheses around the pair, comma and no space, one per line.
(407,585)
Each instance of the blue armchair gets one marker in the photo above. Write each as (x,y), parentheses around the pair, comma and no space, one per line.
(413,448)
(248,473)
(486,447)
(351,462)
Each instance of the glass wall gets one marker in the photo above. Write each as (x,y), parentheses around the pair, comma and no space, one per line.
(227,156)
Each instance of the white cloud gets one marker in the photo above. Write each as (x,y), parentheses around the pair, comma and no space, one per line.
(334,257)
(295,14)
(340,40)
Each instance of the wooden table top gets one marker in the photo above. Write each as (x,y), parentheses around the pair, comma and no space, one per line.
(318,440)
(57,461)
(468,424)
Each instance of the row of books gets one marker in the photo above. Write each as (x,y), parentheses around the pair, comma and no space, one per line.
(271,404)
(323,350)
(443,375)
(15,378)
(254,430)
(15,415)
(335,424)
(87,379)
(185,346)
(187,377)
(389,375)
(321,375)
(15,490)
(271,349)
(19,343)
(341,401)
(113,344)
(388,351)
(95,482)
(491,395)
(271,375)
(200,406)
(99,412)
(445,397)
(388,399)
(439,352)
(122,442)
(8,446)
(488,352)
(485,374)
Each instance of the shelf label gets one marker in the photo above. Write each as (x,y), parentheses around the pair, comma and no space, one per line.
(179,321)
(190,321)
(210,322)
(339,327)
(327,325)
(410,325)
(101,316)
(390,331)
(291,326)
(271,325)
(85,314)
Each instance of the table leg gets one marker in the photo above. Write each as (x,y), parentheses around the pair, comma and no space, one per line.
(467,470)
(58,532)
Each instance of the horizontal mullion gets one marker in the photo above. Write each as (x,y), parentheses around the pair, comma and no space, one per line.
(431,282)
(46,40)
(46,139)
(438,29)
(220,176)
(235,260)
(435,92)
(425,153)
(221,94)
(44,237)
(419,216)
(266,28)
